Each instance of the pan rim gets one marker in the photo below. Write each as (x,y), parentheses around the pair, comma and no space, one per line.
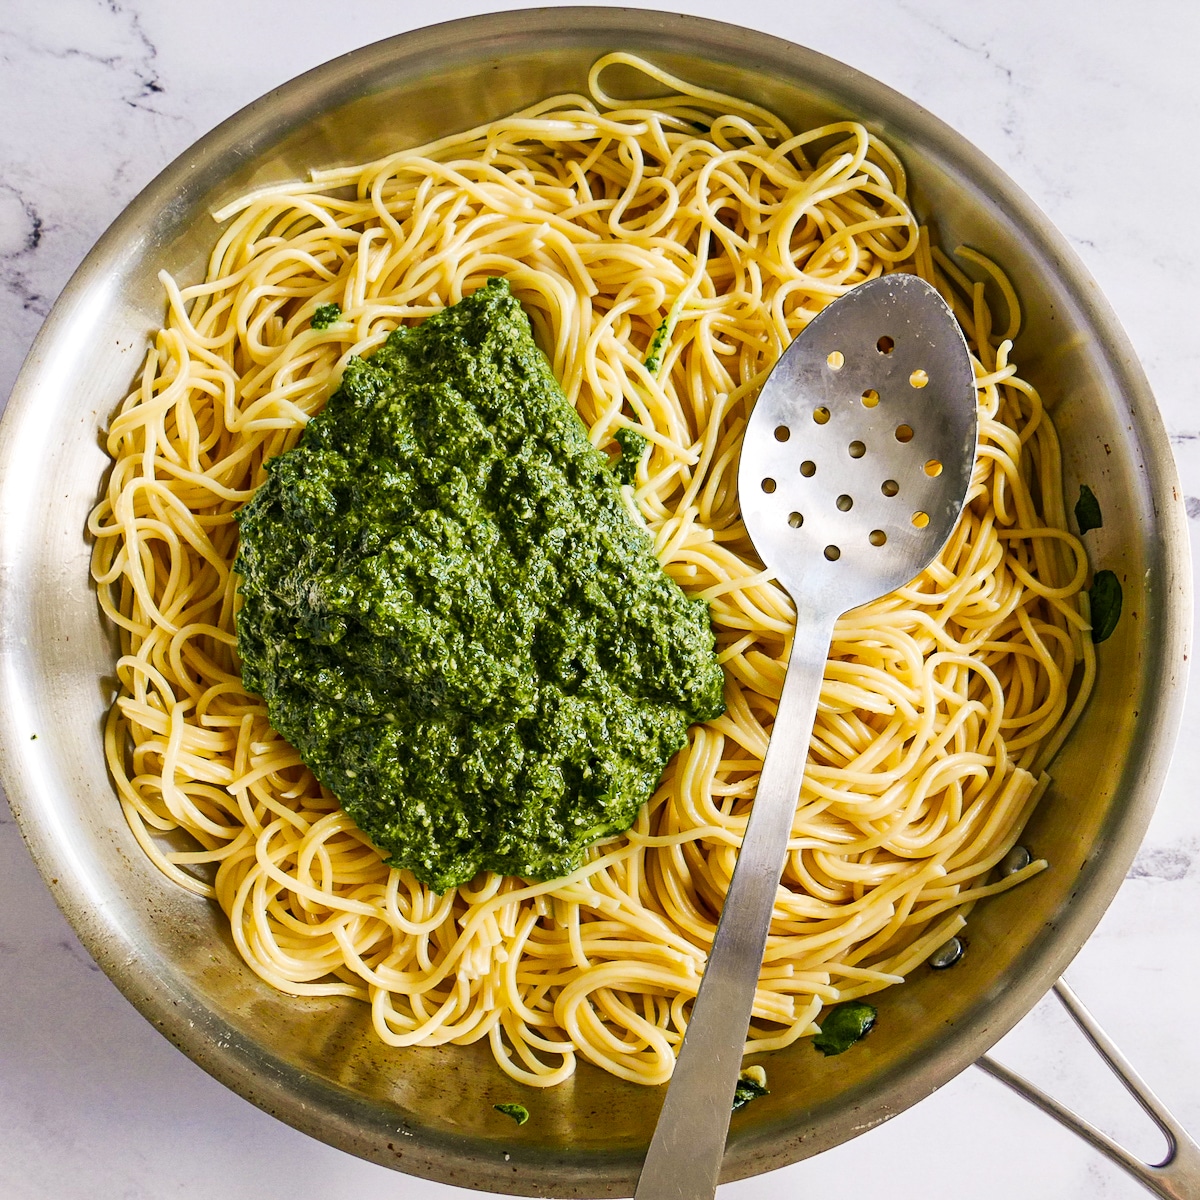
(242,1067)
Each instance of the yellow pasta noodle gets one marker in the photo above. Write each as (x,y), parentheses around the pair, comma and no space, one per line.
(942,703)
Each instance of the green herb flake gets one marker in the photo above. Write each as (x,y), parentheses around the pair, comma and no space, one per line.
(633,446)
(326,315)
(751,1084)
(454,619)
(658,344)
(1087,510)
(844,1025)
(518,1112)
(1105,595)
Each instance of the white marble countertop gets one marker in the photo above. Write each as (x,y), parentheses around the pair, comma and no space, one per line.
(1092,106)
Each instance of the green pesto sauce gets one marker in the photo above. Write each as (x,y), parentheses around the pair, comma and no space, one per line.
(326,315)
(452,617)
(657,345)
(633,446)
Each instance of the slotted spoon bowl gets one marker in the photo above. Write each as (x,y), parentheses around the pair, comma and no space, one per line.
(855,467)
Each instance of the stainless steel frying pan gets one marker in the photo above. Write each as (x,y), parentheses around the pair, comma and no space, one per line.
(314,1063)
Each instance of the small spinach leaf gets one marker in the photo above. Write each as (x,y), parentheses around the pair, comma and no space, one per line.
(1105,594)
(1087,510)
(844,1025)
(518,1112)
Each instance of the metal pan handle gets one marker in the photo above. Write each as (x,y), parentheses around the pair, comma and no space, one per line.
(1177,1177)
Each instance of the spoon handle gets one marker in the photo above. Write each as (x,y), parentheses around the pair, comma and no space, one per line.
(684,1159)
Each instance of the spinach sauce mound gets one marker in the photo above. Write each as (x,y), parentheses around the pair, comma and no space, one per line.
(452,617)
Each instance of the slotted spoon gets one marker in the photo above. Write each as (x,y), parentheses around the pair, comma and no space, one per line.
(855,466)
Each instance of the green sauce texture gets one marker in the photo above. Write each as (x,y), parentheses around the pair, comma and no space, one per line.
(452,617)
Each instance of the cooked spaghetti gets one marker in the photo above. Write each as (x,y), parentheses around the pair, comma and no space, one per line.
(667,251)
